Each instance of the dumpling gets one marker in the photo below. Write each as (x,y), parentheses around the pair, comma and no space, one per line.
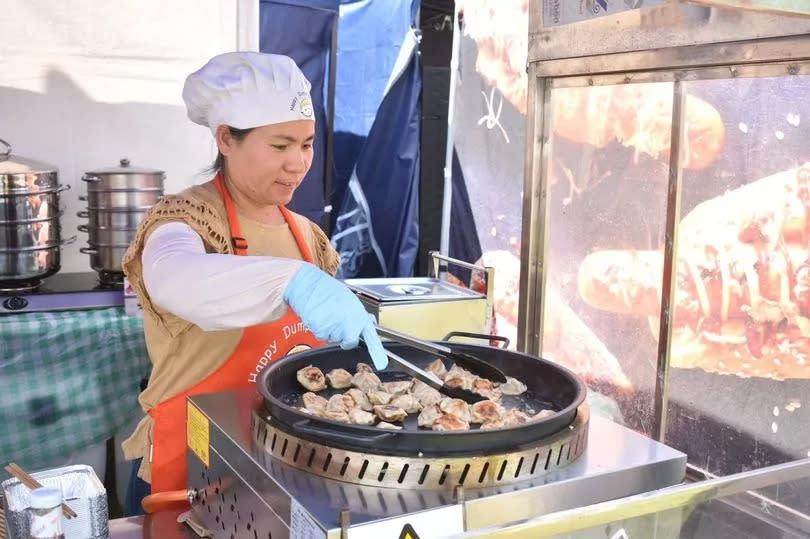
(360,417)
(390,413)
(456,407)
(512,386)
(337,415)
(364,367)
(407,402)
(311,378)
(437,367)
(515,417)
(485,412)
(339,378)
(489,425)
(428,415)
(458,377)
(340,403)
(365,381)
(450,422)
(486,388)
(378,397)
(425,394)
(396,388)
(389,426)
(360,399)
(314,403)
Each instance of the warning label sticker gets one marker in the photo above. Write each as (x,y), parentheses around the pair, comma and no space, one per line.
(197,434)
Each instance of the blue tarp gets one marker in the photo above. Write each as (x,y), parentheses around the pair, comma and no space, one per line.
(369,38)
(302,29)
(377,226)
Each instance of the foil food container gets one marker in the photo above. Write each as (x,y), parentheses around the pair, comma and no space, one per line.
(81,490)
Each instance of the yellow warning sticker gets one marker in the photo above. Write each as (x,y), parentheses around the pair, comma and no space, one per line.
(197,434)
(408,532)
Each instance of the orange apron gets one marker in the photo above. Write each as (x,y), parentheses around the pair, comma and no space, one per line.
(259,346)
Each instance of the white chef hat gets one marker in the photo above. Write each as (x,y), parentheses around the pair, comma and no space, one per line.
(247,89)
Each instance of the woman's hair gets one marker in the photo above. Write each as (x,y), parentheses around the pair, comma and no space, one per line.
(238,134)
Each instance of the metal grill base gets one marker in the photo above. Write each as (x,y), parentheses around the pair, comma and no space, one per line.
(246,492)
(443,473)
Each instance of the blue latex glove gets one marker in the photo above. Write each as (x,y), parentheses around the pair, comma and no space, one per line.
(333,313)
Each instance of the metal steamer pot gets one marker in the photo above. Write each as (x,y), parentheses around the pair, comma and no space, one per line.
(30,233)
(118,199)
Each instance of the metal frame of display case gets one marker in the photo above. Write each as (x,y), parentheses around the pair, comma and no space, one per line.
(674,42)
(652,504)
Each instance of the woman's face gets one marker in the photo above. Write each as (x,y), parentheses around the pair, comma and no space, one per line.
(268,164)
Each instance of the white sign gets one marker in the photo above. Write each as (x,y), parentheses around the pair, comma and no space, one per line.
(302,525)
(432,524)
(559,12)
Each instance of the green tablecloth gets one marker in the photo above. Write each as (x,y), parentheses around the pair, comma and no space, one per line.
(68,380)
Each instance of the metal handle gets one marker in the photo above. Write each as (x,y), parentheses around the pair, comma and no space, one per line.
(68,241)
(419,344)
(88,251)
(307,427)
(83,228)
(84,214)
(5,153)
(90,178)
(482,336)
(435,255)
(61,188)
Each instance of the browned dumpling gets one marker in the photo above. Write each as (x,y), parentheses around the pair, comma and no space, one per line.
(378,397)
(360,399)
(396,388)
(485,412)
(515,417)
(314,403)
(307,412)
(450,422)
(337,415)
(339,378)
(364,367)
(437,367)
(486,388)
(458,377)
(429,415)
(386,412)
(365,381)
(456,407)
(425,394)
(407,402)
(340,403)
(360,417)
(542,414)
(311,378)
(489,425)
(512,386)
(389,426)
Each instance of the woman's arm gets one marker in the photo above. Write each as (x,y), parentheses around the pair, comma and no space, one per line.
(213,291)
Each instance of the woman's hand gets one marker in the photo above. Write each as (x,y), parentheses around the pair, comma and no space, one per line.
(333,313)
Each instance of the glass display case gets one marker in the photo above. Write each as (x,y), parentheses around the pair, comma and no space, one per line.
(770,503)
(667,212)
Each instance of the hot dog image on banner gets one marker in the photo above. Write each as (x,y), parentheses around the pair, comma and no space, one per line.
(741,317)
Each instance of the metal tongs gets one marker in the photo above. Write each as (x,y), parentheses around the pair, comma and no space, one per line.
(473,364)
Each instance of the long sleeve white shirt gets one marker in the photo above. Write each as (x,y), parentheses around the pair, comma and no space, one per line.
(213,291)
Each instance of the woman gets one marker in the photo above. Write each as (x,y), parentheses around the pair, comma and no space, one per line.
(229,279)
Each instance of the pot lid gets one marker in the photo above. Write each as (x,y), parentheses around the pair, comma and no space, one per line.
(125,167)
(12,164)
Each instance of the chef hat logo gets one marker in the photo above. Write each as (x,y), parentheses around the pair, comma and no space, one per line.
(306,107)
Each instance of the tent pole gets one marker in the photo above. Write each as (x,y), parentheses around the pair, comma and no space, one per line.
(444,246)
